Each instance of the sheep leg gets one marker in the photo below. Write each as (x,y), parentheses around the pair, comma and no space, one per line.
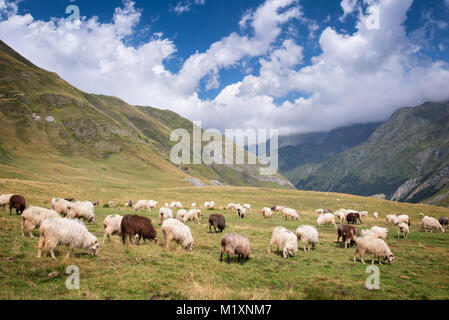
(304,247)
(40,246)
(167,242)
(29,229)
(361,259)
(22,227)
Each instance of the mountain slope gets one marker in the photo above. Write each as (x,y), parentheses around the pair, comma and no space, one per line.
(407,158)
(51,131)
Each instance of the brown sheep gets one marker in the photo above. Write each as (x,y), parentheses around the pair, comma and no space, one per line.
(137,226)
(352,217)
(444,221)
(348,233)
(217,221)
(235,244)
(17,202)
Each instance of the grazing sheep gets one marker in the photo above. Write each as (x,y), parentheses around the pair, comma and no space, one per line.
(322,211)
(376,215)
(290,213)
(278,209)
(151,204)
(382,233)
(4,199)
(247,206)
(176,204)
(404,229)
(194,214)
(308,235)
(241,211)
(182,215)
(267,213)
(173,229)
(326,219)
(217,221)
(17,202)
(285,240)
(340,215)
(352,217)
(137,227)
(96,203)
(209,204)
(402,218)
(33,217)
(81,210)
(230,206)
(348,233)
(112,225)
(377,247)
(60,206)
(390,219)
(430,223)
(363,213)
(444,221)
(235,244)
(164,214)
(193,205)
(67,232)
(369,233)
(421,214)
(141,204)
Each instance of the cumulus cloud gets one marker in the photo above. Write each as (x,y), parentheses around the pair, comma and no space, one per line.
(359,77)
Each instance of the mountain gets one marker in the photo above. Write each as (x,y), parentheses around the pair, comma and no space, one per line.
(406,158)
(300,153)
(53,132)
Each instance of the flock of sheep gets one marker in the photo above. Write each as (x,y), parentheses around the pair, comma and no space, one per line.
(70,231)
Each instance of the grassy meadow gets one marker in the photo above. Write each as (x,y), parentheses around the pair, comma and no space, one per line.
(148,271)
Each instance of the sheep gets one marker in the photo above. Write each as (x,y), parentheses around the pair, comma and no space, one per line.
(278,208)
(444,221)
(67,232)
(137,227)
(17,202)
(142,204)
(369,233)
(402,218)
(285,240)
(382,233)
(241,211)
(325,219)
(82,210)
(404,229)
(33,217)
(217,221)
(348,234)
(230,206)
(129,204)
(173,229)
(290,213)
(209,204)
(60,206)
(96,203)
(390,219)
(176,204)
(182,215)
(352,217)
(193,205)
(432,224)
(4,199)
(267,213)
(376,215)
(164,214)
(112,225)
(322,211)
(235,244)
(247,206)
(421,214)
(194,214)
(308,235)
(340,215)
(377,247)
(363,213)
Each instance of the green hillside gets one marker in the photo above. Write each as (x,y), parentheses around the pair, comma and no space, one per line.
(53,132)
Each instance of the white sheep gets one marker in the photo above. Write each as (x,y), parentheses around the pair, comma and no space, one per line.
(390,219)
(290,213)
(267,213)
(209,204)
(285,240)
(141,204)
(61,206)
(430,223)
(376,215)
(363,213)
(176,204)
(112,225)
(240,211)
(81,210)
(376,247)
(319,211)
(404,229)
(308,235)
(340,215)
(401,218)
(369,233)
(382,233)
(68,232)
(230,206)
(4,199)
(33,217)
(193,205)
(182,215)
(247,206)
(164,214)
(173,229)
(326,219)
(194,214)
(279,209)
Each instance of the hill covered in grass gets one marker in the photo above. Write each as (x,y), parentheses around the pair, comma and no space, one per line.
(52,132)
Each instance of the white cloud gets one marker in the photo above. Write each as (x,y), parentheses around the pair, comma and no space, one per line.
(185,6)
(358,77)
(348,7)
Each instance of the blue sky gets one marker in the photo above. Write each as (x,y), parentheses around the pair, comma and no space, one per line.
(285,80)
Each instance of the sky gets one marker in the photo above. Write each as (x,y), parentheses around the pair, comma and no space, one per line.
(293,65)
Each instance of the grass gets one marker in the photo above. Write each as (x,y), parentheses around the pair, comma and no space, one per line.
(148,271)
